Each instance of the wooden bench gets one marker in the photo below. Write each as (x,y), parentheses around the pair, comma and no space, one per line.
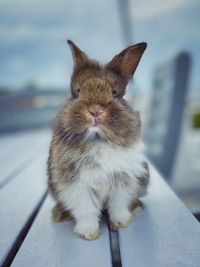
(164,234)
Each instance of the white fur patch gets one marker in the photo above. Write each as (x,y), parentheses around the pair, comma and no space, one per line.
(86,205)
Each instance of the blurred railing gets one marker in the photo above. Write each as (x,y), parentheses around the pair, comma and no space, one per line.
(24,110)
(170,86)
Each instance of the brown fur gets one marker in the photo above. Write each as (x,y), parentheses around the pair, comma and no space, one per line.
(59,214)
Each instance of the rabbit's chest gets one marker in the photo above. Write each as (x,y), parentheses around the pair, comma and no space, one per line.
(110,163)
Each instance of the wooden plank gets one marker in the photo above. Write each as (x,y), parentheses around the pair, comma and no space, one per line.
(164,234)
(55,244)
(18,200)
(18,150)
(9,142)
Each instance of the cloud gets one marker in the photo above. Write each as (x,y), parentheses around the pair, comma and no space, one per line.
(18,32)
(33,34)
(146,9)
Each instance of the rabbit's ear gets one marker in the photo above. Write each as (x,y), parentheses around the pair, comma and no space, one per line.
(125,63)
(79,57)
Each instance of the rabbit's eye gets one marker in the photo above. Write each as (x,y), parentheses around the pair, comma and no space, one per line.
(78,91)
(114,93)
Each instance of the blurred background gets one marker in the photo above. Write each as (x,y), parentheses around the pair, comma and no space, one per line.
(35,69)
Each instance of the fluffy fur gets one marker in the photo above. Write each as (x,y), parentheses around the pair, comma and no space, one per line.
(97,158)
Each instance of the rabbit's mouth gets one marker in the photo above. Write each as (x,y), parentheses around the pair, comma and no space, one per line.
(94,122)
(94,115)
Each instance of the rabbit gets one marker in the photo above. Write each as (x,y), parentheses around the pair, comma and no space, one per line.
(96,159)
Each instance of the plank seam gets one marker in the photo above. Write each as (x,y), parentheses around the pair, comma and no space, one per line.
(114,246)
(8,259)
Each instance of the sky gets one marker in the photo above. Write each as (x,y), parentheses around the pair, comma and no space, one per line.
(33,37)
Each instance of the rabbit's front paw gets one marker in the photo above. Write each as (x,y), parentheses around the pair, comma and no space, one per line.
(87,231)
(90,236)
(120,220)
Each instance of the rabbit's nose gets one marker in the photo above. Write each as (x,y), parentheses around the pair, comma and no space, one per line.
(95,114)
(95,110)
